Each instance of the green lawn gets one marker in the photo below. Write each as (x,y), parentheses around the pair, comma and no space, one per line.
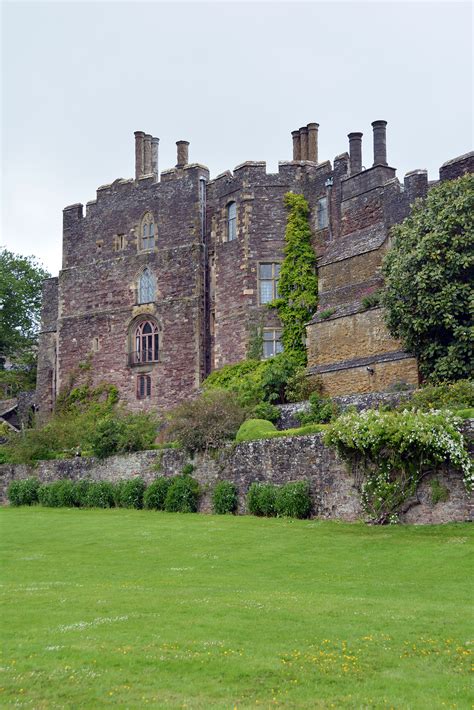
(129,609)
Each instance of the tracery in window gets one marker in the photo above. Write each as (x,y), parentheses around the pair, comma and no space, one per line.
(148,232)
(146,343)
(146,286)
(231,221)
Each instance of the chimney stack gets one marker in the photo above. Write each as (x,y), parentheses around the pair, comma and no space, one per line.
(380,142)
(296,145)
(154,156)
(139,136)
(182,153)
(355,152)
(313,141)
(147,154)
(304,143)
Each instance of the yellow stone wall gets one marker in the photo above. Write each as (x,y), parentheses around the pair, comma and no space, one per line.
(357,380)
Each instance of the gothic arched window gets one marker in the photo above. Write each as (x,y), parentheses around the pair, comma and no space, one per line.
(146,286)
(147,232)
(231,221)
(146,342)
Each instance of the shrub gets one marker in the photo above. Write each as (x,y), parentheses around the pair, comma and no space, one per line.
(254,429)
(66,494)
(449,395)
(265,410)
(293,500)
(107,436)
(182,495)
(321,410)
(371,300)
(187,469)
(261,499)
(206,422)
(139,432)
(49,494)
(24,492)
(117,493)
(391,451)
(81,491)
(100,494)
(324,315)
(224,498)
(299,386)
(131,493)
(155,495)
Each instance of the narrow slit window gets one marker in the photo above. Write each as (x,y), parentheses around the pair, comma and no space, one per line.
(146,287)
(231,222)
(322,213)
(143,386)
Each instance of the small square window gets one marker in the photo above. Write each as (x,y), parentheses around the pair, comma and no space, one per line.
(272,344)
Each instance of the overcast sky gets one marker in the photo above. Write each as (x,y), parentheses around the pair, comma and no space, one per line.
(232,78)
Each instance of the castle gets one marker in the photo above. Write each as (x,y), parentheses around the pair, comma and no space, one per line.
(166,277)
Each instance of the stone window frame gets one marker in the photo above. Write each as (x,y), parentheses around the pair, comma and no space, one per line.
(272,336)
(322,213)
(152,287)
(147,233)
(143,386)
(137,338)
(120,242)
(273,264)
(231,221)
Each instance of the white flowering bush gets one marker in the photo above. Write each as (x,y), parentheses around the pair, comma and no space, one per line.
(390,452)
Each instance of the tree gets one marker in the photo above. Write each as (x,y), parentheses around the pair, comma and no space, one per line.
(21,279)
(298,284)
(428,276)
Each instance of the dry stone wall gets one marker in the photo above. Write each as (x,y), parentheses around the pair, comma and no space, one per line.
(333,489)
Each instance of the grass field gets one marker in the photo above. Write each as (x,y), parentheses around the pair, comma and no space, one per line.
(129,609)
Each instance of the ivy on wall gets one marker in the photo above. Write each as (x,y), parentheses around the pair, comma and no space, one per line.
(298,284)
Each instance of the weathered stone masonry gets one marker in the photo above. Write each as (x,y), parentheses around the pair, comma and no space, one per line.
(206,300)
(333,489)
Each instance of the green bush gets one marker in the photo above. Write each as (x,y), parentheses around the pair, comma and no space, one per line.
(261,499)
(187,470)
(321,410)
(293,500)
(107,437)
(465,413)
(81,491)
(100,494)
(139,432)
(66,494)
(224,498)
(254,429)
(24,492)
(131,493)
(265,410)
(155,495)
(439,493)
(206,422)
(390,451)
(182,495)
(49,494)
(448,395)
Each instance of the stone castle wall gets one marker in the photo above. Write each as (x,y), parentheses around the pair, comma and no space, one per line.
(333,490)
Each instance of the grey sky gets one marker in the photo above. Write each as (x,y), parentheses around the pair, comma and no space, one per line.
(232,78)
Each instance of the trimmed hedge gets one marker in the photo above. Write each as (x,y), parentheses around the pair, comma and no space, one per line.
(155,494)
(182,495)
(291,500)
(23,492)
(261,499)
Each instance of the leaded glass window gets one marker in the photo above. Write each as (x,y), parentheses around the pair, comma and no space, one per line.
(231,221)
(272,344)
(268,275)
(146,287)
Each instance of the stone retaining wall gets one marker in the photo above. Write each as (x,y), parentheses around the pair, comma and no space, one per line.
(279,460)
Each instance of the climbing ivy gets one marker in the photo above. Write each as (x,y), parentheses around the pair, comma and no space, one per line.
(298,284)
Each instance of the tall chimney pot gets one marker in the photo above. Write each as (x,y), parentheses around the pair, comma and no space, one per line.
(296,145)
(182,153)
(313,141)
(380,142)
(304,143)
(355,152)
(147,154)
(139,136)
(154,156)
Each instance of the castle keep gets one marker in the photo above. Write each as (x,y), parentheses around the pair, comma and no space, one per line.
(166,277)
